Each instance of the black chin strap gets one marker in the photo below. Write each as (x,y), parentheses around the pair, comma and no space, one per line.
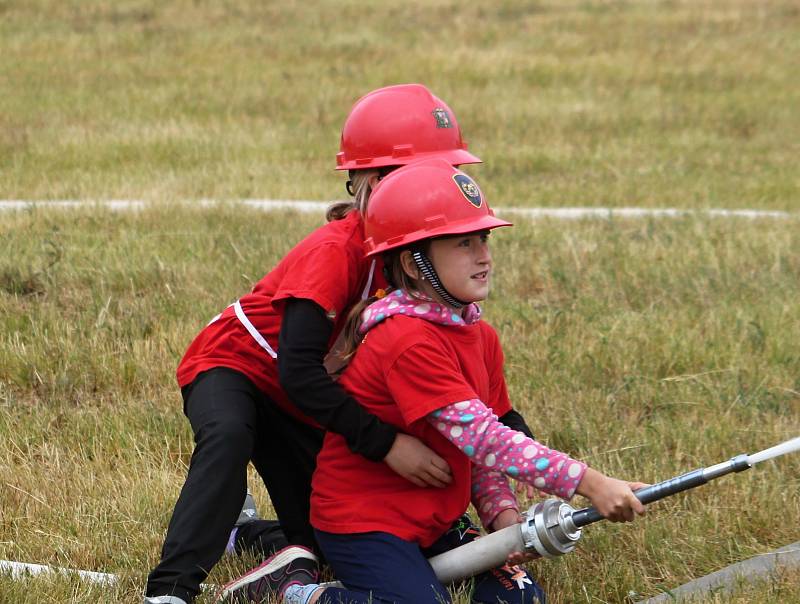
(349,188)
(428,272)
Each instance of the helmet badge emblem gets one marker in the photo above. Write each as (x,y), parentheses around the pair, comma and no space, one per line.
(442,118)
(468,189)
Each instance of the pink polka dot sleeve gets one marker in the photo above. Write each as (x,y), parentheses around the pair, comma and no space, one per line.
(475,430)
(491,494)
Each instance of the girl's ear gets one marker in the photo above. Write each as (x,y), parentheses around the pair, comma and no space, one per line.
(408,265)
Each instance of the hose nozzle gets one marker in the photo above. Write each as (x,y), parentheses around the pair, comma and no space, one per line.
(548,529)
(552,528)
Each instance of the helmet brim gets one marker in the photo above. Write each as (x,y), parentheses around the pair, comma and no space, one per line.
(455,157)
(471,225)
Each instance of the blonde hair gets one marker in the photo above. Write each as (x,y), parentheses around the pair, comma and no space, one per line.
(398,278)
(363,181)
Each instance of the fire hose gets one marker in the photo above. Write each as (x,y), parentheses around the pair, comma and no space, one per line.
(552,527)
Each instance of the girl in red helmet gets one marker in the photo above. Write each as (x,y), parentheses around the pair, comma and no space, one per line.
(429,366)
(253,380)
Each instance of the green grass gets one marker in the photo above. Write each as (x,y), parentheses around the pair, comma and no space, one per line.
(647,348)
(574,102)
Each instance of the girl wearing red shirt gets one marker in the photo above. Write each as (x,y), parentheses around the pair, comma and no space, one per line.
(253,380)
(429,366)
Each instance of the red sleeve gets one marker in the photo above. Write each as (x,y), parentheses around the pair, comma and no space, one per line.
(325,274)
(498,391)
(423,378)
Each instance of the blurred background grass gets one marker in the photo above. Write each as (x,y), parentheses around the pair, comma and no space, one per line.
(647,347)
(575,102)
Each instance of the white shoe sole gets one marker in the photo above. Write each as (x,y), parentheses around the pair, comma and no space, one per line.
(282,558)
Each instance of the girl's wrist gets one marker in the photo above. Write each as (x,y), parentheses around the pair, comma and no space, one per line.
(590,484)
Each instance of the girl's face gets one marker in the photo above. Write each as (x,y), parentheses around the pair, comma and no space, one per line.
(464,265)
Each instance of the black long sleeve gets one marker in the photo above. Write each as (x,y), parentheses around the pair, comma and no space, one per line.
(515,421)
(302,346)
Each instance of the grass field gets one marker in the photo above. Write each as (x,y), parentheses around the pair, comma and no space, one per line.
(646,347)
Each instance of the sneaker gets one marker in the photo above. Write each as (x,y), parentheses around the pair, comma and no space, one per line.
(249,512)
(260,538)
(163,600)
(293,565)
(246,515)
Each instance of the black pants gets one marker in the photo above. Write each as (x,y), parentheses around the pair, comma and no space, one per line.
(233,423)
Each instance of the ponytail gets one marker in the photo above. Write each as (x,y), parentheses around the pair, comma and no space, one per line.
(350,335)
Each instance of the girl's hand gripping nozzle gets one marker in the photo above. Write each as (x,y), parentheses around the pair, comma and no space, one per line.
(552,528)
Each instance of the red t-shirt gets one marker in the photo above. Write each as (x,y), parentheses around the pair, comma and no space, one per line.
(327,267)
(406,368)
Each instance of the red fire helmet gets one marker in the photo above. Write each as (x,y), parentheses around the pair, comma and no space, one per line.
(397,125)
(429,198)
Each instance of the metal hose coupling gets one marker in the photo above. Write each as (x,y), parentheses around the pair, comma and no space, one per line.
(548,529)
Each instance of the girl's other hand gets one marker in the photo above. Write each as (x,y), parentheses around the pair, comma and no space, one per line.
(418,463)
(505,519)
(613,498)
(528,490)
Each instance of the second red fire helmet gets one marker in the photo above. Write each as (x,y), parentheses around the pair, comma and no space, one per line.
(398,125)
